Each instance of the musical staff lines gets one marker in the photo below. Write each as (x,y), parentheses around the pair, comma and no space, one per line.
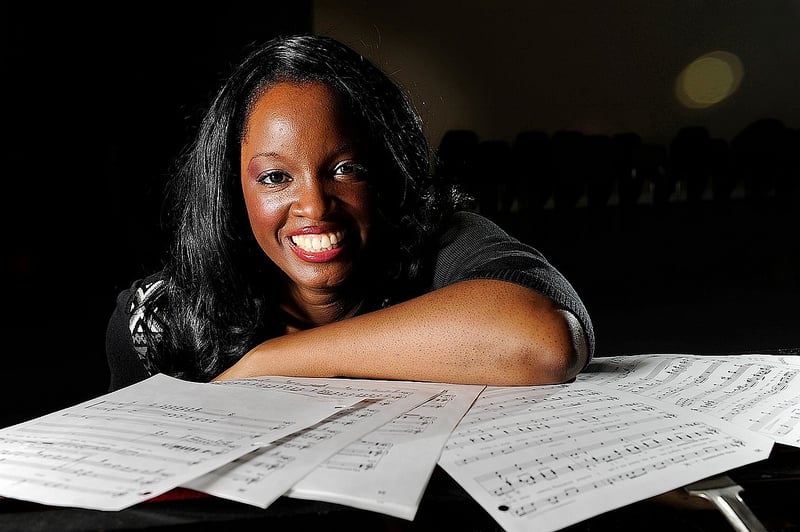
(757,392)
(387,470)
(262,476)
(142,440)
(548,447)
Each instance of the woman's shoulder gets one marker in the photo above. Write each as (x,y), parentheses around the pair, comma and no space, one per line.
(467,218)
(471,245)
(467,225)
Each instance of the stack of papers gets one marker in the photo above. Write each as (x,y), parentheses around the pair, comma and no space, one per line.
(537,457)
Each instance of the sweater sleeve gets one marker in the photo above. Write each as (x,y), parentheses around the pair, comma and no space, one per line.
(125,364)
(474,247)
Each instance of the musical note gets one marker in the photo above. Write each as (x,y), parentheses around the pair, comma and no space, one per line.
(616,442)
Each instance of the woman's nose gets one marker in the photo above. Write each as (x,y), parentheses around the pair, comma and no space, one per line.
(313,200)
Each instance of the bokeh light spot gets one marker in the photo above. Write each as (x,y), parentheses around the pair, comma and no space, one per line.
(709,79)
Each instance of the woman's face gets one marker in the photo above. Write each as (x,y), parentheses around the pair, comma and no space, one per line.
(304,187)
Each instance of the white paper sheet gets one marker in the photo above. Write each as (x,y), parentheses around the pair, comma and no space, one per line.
(543,458)
(387,470)
(759,392)
(264,475)
(540,457)
(127,446)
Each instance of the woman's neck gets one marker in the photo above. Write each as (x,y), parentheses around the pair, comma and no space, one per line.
(307,309)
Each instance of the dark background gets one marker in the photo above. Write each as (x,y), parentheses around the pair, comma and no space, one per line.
(97,106)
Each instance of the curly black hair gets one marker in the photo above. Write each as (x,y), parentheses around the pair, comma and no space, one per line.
(219,297)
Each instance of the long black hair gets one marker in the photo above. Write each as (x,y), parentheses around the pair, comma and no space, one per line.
(219,295)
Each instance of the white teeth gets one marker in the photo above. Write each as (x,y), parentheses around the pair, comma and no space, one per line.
(317,243)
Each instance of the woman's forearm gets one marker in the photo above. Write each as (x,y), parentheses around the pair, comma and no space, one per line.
(476,332)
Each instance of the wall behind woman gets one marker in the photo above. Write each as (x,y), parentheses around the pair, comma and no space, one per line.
(685,276)
(607,67)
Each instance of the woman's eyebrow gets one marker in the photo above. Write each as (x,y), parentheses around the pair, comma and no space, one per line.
(347,146)
(268,154)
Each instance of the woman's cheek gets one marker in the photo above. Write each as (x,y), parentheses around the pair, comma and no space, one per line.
(262,215)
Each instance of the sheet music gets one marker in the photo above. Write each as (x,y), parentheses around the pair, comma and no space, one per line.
(130,445)
(262,476)
(543,458)
(387,470)
(771,359)
(761,393)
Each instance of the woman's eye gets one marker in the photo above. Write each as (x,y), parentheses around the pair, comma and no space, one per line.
(350,169)
(274,178)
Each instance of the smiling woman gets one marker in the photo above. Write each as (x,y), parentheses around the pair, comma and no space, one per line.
(305,191)
(310,238)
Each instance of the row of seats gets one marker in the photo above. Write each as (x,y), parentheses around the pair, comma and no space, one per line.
(570,169)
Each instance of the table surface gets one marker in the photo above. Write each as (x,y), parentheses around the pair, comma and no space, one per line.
(771,490)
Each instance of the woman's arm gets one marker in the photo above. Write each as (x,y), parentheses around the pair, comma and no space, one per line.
(476,332)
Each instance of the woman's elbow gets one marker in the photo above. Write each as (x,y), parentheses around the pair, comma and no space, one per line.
(555,355)
(536,366)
